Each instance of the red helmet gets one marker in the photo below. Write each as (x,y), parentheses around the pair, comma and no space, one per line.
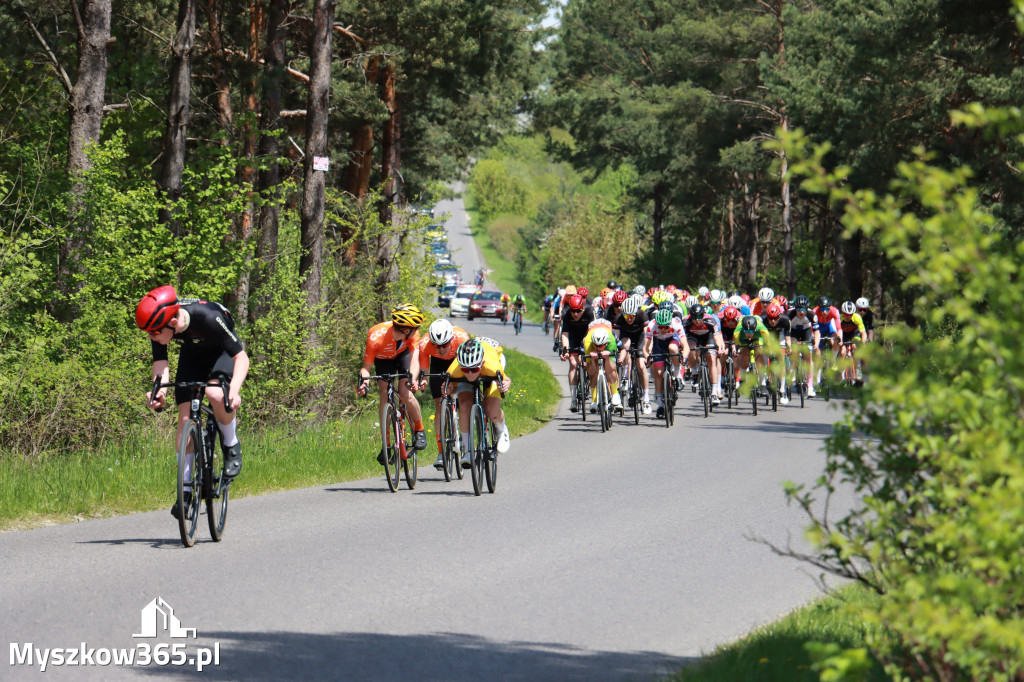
(684,294)
(746,298)
(732,314)
(619,296)
(774,310)
(576,302)
(650,292)
(783,301)
(583,291)
(671,288)
(156,309)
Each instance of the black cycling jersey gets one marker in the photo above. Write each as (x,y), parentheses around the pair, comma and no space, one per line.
(576,328)
(868,317)
(210,329)
(638,325)
(784,327)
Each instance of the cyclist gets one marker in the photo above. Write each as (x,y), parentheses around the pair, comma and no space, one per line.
(776,321)
(390,348)
(519,305)
(505,302)
(600,340)
(826,320)
(614,308)
(664,335)
(631,323)
(737,302)
(852,328)
(475,360)
(750,335)
(701,328)
(704,296)
(867,316)
(716,301)
(436,351)
(210,349)
(804,331)
(556,313)
(765,297)
(575,325)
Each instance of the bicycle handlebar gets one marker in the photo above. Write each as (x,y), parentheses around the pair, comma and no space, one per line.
(157,385)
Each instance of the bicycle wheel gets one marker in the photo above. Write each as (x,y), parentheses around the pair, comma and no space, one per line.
(584,390)
(448,458)
(602,403)
(190,477)
(217,501)
(491,459)
(456,442)
(670,399)
(635,393)
(389,439)
(753,397)
(411,462)
(705,387)
(477,441)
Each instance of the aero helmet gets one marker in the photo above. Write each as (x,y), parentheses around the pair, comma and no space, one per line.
(157,308)
(825,302)
(697,310)
(749,323)
(577,302)
(774,311)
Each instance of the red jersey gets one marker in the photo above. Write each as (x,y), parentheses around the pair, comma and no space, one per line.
(380,343)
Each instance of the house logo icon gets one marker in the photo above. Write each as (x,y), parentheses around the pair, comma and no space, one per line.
(158,617)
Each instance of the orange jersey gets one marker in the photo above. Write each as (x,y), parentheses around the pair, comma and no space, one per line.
(428,350)
(380,343)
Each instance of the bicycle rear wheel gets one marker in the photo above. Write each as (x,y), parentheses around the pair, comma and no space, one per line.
(670,400)
(448,458)
(190,478)
(491,459)
(635,392)
(217,501)
(477,441)
(389,438)
(602,404)
(584,390)
(754,397)
(705,388)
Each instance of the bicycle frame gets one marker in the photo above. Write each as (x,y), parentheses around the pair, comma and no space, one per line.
(398,416)
(484,457)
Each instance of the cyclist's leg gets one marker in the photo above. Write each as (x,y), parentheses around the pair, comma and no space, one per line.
(492,408)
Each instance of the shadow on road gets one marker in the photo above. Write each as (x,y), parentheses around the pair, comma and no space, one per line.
(156,543)
(256,656)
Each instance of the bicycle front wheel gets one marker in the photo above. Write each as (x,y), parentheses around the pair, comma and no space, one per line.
(190,448)
(448,458)
(410,463)
(477,441)
(635,392)
(491,460)
(705,388)
(390,437)
(217,502)
(602,404)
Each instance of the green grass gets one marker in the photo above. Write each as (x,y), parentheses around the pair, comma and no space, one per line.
(138,472)
(778,653)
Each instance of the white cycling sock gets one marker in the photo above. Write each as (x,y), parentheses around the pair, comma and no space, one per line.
(660,399)
(500,426)
(188,471)
(227,432)
(465,442)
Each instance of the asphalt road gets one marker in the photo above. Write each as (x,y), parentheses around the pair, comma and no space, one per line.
(615,556)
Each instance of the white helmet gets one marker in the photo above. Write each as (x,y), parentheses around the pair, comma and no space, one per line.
(598,301)
(766,294)
(848,308)
(691,300)
(631,305)
(702,292)
(717,295)
(639,290)
(736,301)
(863,302)
(441,332)
(600,336)
(470,353)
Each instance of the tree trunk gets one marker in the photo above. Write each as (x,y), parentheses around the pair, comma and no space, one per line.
(389,147)
(275,60)
(658,236)
(221,82)
(87,98)
(178,112)
(314,194)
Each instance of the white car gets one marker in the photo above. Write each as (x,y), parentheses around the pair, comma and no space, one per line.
(460,300)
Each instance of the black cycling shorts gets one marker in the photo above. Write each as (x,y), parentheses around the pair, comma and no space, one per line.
(437,365)
(400,363)
(196,365)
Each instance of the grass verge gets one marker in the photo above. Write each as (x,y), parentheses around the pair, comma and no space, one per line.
(797,647)
(138,472)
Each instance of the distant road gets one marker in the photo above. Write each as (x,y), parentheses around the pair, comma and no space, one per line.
(617,556)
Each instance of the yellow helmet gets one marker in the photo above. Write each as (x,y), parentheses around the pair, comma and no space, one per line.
(570,290)
(407,315)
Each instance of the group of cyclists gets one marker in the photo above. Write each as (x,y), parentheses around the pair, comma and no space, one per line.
(671,326)
(668,324)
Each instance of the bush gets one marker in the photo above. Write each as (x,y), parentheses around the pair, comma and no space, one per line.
(934,443)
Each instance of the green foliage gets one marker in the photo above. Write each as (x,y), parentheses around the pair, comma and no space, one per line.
(933,444)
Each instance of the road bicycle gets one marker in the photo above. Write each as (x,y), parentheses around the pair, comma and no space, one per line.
(729,375)
(547,322)
(448,427)
(604,406)
(482,439)
(397,451)
(200,468)
(669,385)
(517,321)
(635,393)
(703,378)
(799,373)
(582,385)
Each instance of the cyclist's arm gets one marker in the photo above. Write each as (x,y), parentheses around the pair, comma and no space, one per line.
(162,372)
(237,377)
